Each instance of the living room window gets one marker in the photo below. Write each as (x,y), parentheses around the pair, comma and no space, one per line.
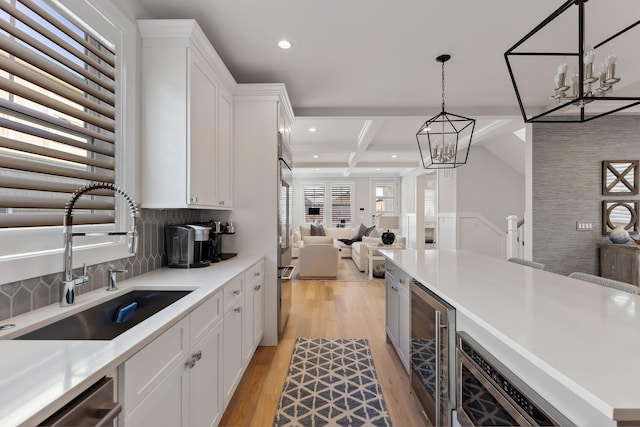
(341,205)
(62,125)
(314,202)
(332,201)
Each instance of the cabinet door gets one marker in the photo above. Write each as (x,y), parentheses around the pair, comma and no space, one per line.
(248,346)
(258,313)
(147,368)
(232,364)
(225,149)
(205,380)
(166,404)
(403,320)
(202,147)
(392,310)
(619,263)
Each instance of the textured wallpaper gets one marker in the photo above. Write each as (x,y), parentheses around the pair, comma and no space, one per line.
(567,187)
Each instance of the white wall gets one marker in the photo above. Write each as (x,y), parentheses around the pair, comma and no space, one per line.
(488,186)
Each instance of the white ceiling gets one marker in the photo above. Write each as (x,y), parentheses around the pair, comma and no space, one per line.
(364,74)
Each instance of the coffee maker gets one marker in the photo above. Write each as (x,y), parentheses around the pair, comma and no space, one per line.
(187,246)
(218,228)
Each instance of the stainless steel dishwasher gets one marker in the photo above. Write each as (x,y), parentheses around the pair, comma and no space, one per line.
(95,406)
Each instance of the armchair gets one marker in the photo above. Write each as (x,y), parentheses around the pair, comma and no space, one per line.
(319,260)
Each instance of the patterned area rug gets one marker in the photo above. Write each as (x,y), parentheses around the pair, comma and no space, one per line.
(331,382)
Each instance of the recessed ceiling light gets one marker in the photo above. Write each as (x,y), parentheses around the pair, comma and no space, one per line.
(378,169)
(394,156)
(284,44)
(312,129)
(315,156)
(317,169)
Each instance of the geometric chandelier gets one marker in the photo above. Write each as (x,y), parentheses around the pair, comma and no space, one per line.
(553,67)
(444,140)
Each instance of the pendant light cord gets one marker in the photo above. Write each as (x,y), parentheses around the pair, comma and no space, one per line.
(443,86)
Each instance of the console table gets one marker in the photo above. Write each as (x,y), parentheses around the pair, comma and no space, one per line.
(620,262)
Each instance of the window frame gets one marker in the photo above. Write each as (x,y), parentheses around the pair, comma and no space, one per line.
(328,205)
(396,197)
(351,198)
(36,251)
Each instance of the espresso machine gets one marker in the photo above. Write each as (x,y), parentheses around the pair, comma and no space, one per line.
(218,229)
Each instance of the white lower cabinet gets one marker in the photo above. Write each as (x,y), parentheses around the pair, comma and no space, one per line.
(254,310)
(397,310)
(205,385)
(233,366)
(187,375)
(165,405)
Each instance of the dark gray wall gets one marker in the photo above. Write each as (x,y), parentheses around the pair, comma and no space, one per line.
(567,187)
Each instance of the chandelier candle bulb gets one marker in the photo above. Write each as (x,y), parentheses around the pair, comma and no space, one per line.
(589,56)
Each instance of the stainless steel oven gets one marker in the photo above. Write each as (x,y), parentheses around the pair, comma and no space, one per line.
(489,394)
(432,354)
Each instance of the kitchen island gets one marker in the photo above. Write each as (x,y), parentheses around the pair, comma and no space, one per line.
(39,377)
(573,342)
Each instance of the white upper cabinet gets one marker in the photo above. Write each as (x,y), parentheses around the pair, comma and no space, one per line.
(187,119)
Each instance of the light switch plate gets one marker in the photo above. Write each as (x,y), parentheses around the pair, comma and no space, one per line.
(584,226)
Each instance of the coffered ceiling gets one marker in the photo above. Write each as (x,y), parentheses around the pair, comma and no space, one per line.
(363,72)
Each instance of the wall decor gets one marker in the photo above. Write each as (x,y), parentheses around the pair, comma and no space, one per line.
(619,177)
(619,212)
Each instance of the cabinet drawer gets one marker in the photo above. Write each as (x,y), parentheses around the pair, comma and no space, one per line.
(205,317)
(253,276)
(233,291)
(147,368)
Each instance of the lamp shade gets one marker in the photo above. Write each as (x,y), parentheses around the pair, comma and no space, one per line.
(389,222)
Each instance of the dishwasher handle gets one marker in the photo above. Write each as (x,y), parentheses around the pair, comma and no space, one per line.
(112,411)
(95,407)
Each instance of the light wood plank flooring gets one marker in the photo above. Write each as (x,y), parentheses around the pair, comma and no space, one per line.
(324,309)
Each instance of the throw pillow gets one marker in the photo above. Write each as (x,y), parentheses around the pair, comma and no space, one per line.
(317,230)
(348,242)
(361,232)
(369,230)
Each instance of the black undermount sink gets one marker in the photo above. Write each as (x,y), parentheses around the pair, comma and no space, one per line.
(109,319)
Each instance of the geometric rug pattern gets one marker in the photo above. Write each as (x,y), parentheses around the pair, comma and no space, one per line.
(331,381)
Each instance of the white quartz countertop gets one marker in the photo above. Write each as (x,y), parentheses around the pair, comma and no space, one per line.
(38,377)
(585,336)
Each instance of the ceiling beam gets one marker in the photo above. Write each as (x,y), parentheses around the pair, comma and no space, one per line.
(367,133)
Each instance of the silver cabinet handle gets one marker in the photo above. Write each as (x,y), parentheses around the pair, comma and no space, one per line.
(194,199)
(190,363)
(257,288)
(236,292)
(238,309)
(197,355)
(257,274)
(222,202)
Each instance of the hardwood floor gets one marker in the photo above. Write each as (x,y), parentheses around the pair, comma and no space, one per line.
(324,309)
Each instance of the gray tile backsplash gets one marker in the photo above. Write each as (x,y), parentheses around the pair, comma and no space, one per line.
(30,294)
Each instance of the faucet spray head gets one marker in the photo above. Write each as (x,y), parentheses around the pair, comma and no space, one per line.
(133,234)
